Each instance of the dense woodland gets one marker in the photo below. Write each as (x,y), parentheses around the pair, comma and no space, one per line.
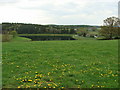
(22,28)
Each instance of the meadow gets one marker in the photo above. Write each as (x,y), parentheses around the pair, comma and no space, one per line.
(60,64)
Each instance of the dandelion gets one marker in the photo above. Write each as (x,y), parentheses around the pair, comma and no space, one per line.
(55,84)
(17,66)
(78,86)
(30,80)
(36,72)
(110,72)
(76,80)
(48,73)
(49,84)
(26,72)
(113,75)
(98,86)
(18,86)
(35,82)
(53,87)
(101,74)
(50,79)
(34,85)
(97,69)
(12,63)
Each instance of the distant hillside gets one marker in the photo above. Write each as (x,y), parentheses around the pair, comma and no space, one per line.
(23,28)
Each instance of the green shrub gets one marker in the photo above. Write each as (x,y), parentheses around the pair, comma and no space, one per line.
(14,33)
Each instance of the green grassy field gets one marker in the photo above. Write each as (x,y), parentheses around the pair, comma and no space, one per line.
(62,64)
(45,34)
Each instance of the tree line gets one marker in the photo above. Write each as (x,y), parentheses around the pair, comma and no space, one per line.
(109,30)
(22,28)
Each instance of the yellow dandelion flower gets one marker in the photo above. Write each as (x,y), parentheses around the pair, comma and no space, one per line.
(26,72)
(18,86)
(34,85)
(55,84)
(110,72)
(49,84)
(30,80)
(17,66)
(36,72)
(113,75)
(53,87)
(98,86)
(48,73)
(76,80)
(78,86)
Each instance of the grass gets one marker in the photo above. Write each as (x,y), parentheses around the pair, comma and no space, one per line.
(20,39)
(46,34)
(83,38)
(62,64)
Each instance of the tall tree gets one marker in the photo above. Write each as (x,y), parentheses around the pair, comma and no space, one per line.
(110,27)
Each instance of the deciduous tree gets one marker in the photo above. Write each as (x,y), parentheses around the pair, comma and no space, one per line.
(110,27)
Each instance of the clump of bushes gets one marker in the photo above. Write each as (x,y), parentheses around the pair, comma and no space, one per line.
(7,36)
(13,33)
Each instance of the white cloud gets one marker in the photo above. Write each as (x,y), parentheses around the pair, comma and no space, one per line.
(57,11)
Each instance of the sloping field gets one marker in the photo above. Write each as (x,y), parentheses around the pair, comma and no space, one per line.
(62,64)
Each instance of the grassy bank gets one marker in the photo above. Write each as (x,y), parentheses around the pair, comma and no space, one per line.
(45,34)
(84,38)
(72,64)
(20,39)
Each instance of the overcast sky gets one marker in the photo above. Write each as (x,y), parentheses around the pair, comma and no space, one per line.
(90,12)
